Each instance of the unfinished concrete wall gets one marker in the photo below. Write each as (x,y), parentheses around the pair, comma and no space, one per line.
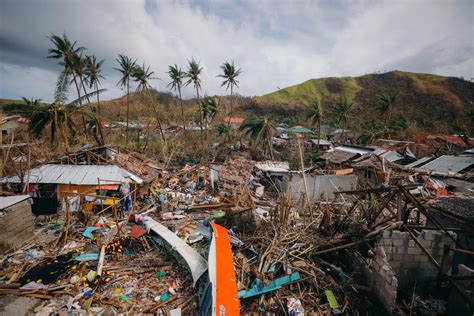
(382,279)
(320,187)
(17,224)
(406,257)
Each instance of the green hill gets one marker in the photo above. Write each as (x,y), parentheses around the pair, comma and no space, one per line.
(435,103)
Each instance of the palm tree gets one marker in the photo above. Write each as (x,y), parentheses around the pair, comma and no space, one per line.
(342,112)
(193,73)
(31,103)
(55,115)
(210,107)
(93,75)
(79,68)
(230,74)
(260,129)
(67,51)
(142,75)
(127,67)
(386,105)
(316,114)
(177,76)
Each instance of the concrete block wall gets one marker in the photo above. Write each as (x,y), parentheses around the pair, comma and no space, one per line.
(17,224)
(408,259)
(382,279)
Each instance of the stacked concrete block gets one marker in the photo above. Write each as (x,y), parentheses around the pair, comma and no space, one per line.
(17,224)
(407,258)
(382,278)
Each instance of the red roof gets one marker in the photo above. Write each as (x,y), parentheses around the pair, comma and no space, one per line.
(238,120)
(455,140)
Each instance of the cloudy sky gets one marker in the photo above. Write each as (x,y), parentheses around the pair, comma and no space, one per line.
(276,43)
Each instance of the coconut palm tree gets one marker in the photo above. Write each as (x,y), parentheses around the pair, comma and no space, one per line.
(210,107)
(31,103)
(387,102)
(55,115)
(127,68)
(261,130)
(230,74)
(193,73)
(316,114)
(142,75)
(67,51)
(79,68)
(93,75)
(177,76)
(342,112)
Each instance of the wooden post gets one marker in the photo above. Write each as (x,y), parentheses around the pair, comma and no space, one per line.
(101,261)
(298,138)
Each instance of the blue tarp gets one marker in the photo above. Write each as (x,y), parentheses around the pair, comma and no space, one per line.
(258,288)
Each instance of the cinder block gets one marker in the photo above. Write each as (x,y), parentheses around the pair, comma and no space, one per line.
(397,242)
(414,251)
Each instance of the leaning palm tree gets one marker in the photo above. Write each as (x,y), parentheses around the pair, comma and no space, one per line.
(316,114)
(386,105)
(67,51)
(261,130)
(210,107)
(193,73)
(177,76)
(230,74)
(342,112)
(142,75)
(127,67)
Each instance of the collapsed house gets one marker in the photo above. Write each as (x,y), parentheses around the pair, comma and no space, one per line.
(316,240)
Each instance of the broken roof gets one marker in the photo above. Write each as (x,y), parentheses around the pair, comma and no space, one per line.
(7,201)
(460,207)
(273,166)
(322,142)
(456,164)
(339,156)
(76,174)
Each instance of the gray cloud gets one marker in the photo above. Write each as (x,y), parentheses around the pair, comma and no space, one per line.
(277,43)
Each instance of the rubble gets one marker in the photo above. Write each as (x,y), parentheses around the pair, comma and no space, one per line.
(373,244)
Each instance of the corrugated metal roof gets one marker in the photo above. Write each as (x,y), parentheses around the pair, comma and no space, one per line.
(450,164)
(419,162)
(76,174)
(322,142)
(7,201)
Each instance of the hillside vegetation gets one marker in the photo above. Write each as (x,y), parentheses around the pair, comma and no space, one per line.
(433,103)
(424,102)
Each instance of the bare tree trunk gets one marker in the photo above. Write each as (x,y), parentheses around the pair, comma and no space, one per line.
(270,148)
(228,136)
(182,110)
(200,112)
(80,103)
(128,110)
(85,91)
(319,134)
(98,120)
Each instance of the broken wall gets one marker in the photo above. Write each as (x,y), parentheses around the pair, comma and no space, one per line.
(381,278)
(406,257)
(17,224)
(320,187)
